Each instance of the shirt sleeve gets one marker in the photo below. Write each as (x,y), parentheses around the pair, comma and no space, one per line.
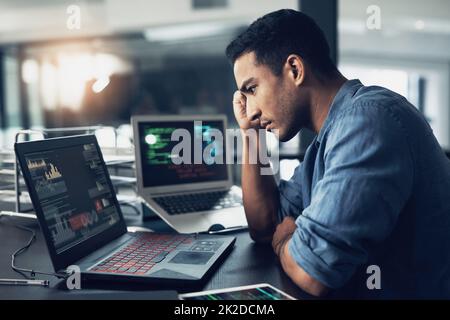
(368,176)
(291,200)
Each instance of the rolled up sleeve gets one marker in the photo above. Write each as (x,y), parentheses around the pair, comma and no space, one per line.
(368,176)
(291,201)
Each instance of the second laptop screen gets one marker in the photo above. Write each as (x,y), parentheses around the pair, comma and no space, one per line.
(197,139)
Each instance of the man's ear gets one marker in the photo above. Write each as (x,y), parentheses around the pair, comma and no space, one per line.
(295,69)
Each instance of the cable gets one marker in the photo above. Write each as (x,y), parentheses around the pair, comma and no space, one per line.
(32,272)
(23,271)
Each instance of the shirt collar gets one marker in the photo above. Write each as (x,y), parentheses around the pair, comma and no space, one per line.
(347,91)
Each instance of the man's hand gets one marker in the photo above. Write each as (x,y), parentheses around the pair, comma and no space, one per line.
(259,192)
(240,112)
(282,234)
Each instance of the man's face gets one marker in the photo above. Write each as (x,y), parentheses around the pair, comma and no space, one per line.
(275,100)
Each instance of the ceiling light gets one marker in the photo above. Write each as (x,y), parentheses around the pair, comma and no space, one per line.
(100,84)
(184,31)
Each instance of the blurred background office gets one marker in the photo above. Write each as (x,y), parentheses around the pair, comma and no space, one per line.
(97,62)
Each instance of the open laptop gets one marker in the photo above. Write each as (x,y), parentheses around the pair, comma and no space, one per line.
(194,197)
(82,223)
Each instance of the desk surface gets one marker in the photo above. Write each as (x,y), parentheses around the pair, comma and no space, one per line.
(248,263)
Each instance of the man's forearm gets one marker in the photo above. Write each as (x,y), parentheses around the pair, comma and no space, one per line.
(260,193)
(298,275)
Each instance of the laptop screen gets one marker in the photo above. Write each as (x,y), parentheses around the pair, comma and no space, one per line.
(73,191)
(158,152)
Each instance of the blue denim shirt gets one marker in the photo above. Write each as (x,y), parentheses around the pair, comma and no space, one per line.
(373,189)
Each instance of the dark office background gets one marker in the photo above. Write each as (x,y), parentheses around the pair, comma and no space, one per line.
(149,58)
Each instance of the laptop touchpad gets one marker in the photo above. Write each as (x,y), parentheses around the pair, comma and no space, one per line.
(190,257)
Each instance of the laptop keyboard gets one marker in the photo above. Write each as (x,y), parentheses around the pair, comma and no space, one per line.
(194,202)
(142,254)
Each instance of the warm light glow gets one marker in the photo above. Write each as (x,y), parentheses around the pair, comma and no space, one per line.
(104,65)
(73,72)
(30,71)
(64,77)
(49,85)
(100,84)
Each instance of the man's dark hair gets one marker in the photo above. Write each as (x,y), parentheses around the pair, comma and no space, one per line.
(278,34)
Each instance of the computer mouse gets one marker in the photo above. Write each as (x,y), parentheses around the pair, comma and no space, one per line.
(216,227)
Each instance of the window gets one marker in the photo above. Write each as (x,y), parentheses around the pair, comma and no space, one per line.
(407,51)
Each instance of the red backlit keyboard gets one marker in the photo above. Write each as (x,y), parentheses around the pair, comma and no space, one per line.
(142,254)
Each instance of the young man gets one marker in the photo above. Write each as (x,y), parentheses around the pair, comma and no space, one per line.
(367,213)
